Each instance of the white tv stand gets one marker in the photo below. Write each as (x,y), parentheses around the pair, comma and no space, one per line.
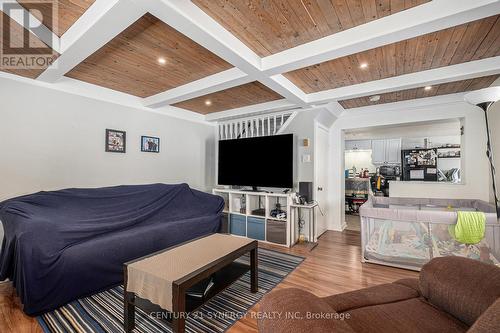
(247,221)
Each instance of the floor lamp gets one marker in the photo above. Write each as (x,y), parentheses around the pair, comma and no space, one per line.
(484,98)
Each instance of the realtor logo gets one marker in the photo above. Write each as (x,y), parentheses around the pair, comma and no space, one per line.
(23,27)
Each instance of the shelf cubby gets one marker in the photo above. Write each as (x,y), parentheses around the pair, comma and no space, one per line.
(245,220)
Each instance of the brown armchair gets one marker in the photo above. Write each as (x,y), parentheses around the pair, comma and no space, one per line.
(452,294)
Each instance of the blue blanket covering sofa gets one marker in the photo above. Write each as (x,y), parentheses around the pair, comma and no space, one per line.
(62,245)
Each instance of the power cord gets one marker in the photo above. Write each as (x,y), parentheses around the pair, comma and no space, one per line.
(319,207)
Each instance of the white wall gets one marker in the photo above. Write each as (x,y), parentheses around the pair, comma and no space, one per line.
(359,159)
(303,126)
(474,165)
(51,140)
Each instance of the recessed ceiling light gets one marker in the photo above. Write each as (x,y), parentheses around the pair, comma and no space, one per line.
(208,102)
(374,98)
(427,88)
(363,65)
(162,61)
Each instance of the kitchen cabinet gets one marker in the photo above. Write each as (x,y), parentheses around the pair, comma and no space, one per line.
(387,151)
(378,152)
(393,151)
(358,145)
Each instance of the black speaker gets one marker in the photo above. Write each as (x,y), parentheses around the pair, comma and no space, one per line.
(306,190)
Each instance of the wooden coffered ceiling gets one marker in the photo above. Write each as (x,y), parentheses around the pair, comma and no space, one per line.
(236,97)
(209,56)
(16,38)
(268,27)
(421,92)
(68,11)
(467,42)
(130,62)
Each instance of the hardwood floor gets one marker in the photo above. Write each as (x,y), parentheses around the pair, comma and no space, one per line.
(12,318)
(332,267)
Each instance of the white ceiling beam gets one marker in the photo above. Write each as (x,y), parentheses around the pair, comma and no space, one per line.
(190,20)
(406,105)
(197,25)
(83,89)
(213,83)
(335,109)
(266,107)
(93,14)
(93,30)
(19,14)
(284,87)
(429,17)
(468,70)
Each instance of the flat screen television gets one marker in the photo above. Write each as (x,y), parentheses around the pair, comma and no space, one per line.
(262,161)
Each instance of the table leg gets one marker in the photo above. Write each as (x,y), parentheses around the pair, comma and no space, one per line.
(314,224)
(254,283)
(178,309)
(129,311)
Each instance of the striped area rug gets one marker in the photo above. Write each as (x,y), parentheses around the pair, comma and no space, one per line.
(103,312)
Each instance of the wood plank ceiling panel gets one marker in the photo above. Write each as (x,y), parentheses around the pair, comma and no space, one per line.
(467,42)
(147,58)
(236,97)
(68,12)
(436,90)
(21,62)
(271,26)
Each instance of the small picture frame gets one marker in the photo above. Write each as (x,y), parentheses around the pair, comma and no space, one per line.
(116,141)
(150,144)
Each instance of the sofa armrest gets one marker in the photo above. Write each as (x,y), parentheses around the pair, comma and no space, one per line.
(463,287)
(376,295)
(489,321)
(298,311)
(410,283)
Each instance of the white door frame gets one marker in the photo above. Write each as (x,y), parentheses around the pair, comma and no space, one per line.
(317,127)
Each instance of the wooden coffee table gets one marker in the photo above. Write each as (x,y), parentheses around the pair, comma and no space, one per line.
(164,277)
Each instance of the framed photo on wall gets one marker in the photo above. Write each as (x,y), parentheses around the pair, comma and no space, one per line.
(150,144)
(115,141)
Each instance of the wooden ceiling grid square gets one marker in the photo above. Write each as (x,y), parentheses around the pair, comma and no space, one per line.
(236,97)
(129,62)
(16,38)
(415,93)
(467,42)
(271,26)
(68,12)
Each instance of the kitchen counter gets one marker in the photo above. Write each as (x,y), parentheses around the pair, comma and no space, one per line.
(424,182)
(423,189)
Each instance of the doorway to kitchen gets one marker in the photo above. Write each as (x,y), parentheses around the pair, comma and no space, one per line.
(383,160)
